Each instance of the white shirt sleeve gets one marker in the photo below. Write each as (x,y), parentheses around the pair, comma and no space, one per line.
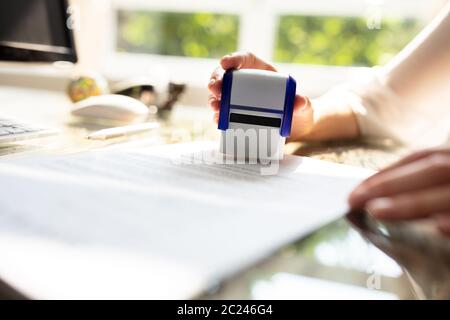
(409,99)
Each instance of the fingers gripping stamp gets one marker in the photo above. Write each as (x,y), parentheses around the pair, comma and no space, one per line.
(256,113)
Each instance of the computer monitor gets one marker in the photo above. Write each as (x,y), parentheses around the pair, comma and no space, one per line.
(36,31)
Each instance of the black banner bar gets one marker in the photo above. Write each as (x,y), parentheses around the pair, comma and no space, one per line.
(256,120)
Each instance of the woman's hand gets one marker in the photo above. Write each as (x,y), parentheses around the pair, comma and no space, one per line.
(303,113)
(417,186)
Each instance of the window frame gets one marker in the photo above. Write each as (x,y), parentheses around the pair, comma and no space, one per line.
(195,71)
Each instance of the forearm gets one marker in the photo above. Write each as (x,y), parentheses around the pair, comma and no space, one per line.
(422,68)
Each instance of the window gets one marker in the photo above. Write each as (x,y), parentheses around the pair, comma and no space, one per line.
(199,35)
(321,43)
(341,41)
(321,32)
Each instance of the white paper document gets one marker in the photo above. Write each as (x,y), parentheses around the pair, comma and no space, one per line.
(140,223)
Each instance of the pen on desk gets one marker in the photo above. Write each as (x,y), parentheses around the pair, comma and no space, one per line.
(116,132)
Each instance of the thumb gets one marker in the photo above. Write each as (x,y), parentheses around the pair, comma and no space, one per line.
(303,118)
(301,103)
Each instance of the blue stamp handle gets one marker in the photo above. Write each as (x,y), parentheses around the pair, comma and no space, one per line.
(286,124)
(224,113)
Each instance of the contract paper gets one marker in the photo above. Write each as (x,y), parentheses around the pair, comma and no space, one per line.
(144,223)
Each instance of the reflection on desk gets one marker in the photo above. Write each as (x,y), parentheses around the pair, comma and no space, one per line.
(417,246)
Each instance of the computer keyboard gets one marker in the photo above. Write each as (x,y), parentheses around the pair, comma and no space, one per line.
(12,130)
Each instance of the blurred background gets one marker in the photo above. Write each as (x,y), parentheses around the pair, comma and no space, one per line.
(320,42)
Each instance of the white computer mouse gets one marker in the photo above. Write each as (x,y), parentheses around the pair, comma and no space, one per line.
(111,107)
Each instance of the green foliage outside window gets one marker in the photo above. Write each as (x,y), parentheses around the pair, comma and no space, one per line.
(340,41)
(204,35)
